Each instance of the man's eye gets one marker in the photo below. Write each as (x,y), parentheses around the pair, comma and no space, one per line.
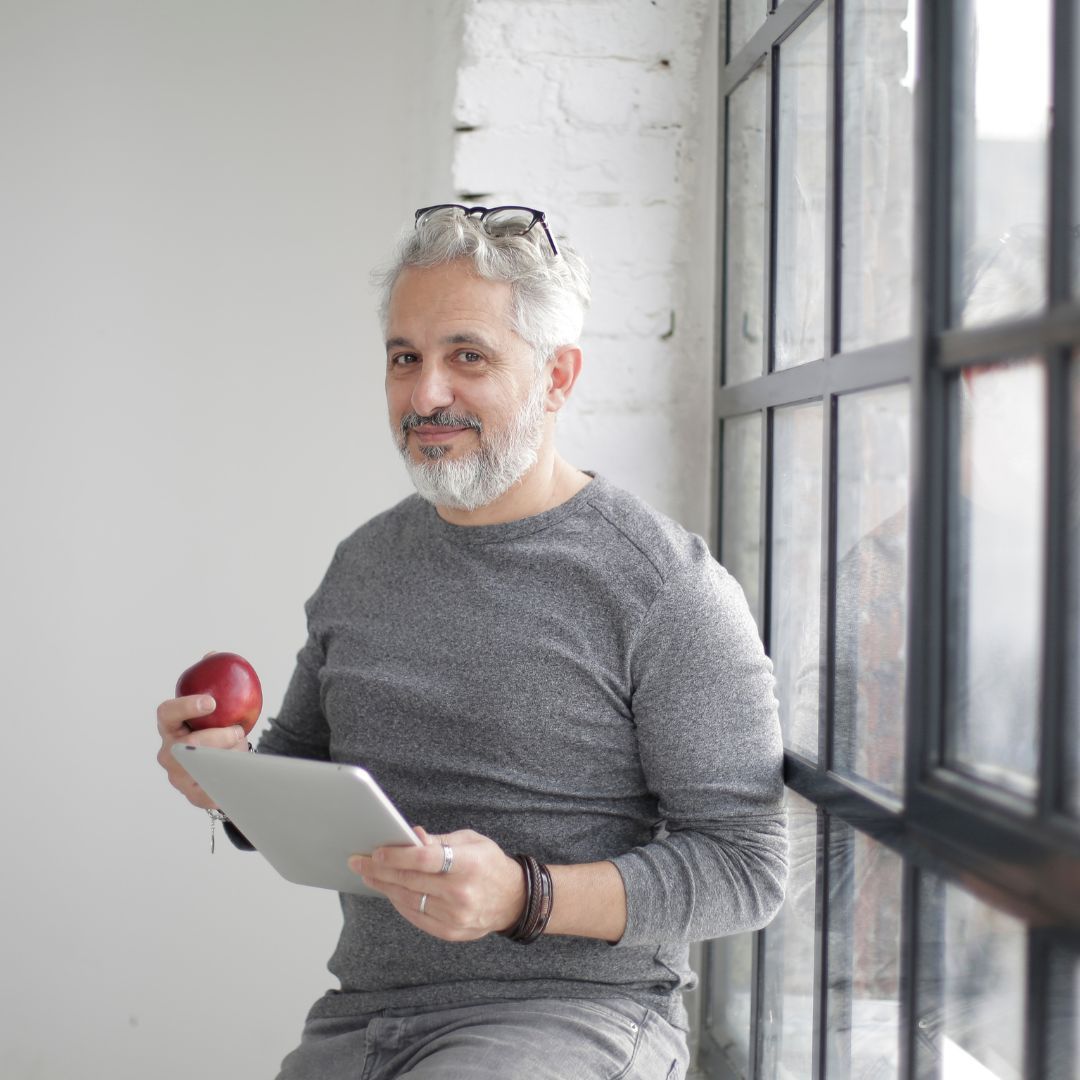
(404,359)
(470,357)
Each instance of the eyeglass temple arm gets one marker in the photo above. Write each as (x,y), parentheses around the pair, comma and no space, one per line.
(551,239)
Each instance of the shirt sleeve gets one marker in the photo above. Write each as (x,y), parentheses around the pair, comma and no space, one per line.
(300,728)
(708,729)
(297,730)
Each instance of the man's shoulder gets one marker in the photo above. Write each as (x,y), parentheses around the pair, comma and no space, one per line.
(386,529)
(644,532)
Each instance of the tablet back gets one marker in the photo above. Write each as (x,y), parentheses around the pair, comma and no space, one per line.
(305,817)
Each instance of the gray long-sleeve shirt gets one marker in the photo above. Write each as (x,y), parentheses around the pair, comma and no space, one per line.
(585,684)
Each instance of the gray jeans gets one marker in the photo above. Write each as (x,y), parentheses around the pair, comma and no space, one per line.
(606,1039)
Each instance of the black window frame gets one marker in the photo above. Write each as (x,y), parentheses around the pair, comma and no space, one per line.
(1024,859)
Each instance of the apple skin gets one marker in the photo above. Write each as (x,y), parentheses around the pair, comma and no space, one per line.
(231,681)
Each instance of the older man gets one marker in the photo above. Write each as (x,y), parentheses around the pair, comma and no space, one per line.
(558,683)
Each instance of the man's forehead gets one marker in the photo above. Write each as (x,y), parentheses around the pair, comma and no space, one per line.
(453,283)
(457,305)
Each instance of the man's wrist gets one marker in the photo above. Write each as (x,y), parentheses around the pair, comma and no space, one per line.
(539,901)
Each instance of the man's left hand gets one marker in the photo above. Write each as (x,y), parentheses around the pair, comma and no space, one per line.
(483,892)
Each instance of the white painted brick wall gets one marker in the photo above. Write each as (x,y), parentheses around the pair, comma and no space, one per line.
(602,112)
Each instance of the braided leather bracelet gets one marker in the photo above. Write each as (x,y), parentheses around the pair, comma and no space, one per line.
(539,901)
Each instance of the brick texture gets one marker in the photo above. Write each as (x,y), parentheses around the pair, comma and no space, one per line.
(599,111)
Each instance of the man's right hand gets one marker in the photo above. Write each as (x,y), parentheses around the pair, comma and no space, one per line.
(172,722)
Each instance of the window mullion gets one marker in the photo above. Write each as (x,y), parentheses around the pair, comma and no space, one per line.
(930,274)
(909,970)
(1057,634)
(1064,157)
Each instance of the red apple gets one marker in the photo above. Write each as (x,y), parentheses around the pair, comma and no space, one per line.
(231,681)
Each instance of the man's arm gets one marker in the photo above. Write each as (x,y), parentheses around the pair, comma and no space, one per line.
(709,738)
(708,732)
(484,892)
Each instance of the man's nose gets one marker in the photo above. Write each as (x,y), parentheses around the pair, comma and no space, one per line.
(432,390)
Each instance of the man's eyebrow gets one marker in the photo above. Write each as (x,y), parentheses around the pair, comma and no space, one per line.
(470,338)
(452,339)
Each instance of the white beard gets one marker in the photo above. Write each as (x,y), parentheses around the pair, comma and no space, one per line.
(479,478)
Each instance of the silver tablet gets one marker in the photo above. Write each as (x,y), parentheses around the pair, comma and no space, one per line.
(305,817)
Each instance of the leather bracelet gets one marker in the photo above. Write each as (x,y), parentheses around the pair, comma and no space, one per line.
(539,902)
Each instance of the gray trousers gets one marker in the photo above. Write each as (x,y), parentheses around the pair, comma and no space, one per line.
(606,1039)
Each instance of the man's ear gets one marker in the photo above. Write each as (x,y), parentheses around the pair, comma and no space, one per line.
(564,368)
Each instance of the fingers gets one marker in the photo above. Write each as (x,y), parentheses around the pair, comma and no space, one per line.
(172,717)
(230,738)
(403,867)
(482,893)
(445,917)
(429,858)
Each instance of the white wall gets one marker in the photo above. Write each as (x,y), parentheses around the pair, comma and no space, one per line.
(603,113)
(191,413)
(191,417)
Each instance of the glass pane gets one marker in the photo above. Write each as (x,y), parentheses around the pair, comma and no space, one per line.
(740,532)
(1001,121)
(996,573)
(878,171)
(730,971)
(787,1012)
(983,962)
(871,586)
(744,18)
(801,244)
(796,572)
(744,267)
(864,957)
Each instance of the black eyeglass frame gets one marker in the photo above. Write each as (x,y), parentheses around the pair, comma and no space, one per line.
(482,212)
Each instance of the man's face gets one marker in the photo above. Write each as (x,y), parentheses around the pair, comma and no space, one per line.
(466,406)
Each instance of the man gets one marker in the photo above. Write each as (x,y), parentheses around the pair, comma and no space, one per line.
(529,660)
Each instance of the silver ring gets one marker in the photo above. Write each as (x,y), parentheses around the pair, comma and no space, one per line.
(423,903)
(447,858)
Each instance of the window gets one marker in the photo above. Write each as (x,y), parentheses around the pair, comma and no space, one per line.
(898,409)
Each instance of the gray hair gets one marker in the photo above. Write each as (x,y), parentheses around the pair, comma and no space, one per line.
(548,293)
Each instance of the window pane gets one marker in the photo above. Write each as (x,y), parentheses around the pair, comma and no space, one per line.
(796,571)
(878,171)
(787,1011)
(871,586)
(996,573)
(730,970)
(740,533)
(800,194)
(744,18)
(1001,120)
(864,957)
(982,967)
(744,272)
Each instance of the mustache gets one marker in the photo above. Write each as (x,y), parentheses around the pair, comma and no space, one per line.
(442,418)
